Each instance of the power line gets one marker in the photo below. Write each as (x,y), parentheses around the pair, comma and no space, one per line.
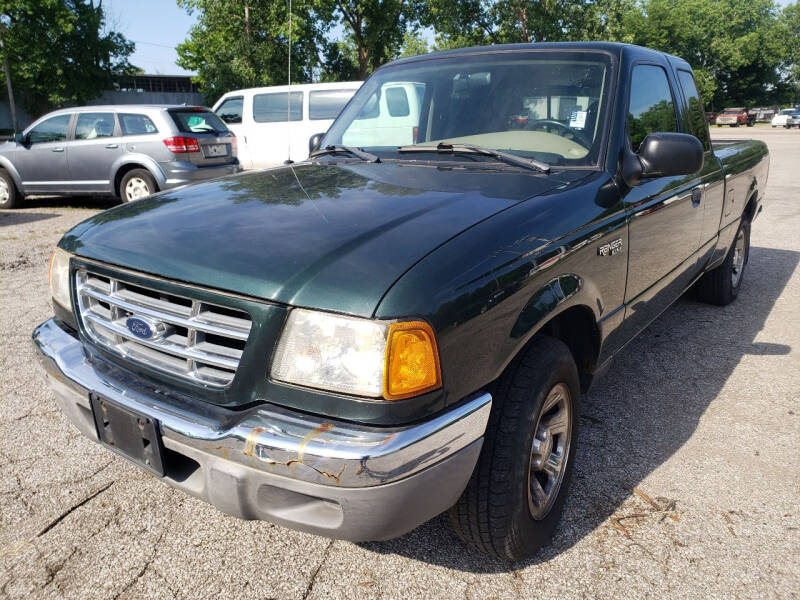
(153,44)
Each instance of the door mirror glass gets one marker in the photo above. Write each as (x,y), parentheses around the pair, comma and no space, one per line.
(21,138)
(664,154)
(314,142)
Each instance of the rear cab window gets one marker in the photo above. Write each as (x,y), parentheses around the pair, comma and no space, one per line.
(651,107)
(136,124)
(273,108)
(197,120)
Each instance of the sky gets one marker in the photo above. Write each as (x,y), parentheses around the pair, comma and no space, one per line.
(156,26)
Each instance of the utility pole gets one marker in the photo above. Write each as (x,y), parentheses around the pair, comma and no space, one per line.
(7,73)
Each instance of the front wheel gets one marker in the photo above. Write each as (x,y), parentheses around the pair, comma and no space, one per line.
(9,198)
(137,184)
(514,500)
(721,286)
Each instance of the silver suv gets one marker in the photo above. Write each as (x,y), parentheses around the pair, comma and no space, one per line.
(127,151)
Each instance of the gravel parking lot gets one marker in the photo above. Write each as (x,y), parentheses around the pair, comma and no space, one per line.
(687,481)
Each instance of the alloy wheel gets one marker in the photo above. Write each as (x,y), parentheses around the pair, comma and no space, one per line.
(549,451)
(738,258)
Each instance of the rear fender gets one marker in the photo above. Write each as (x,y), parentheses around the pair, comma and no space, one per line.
(141,160)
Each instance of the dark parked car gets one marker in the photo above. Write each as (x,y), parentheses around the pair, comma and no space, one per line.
(125,151)
(356,343)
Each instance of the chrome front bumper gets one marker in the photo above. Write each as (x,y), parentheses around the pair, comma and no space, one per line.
(327,477)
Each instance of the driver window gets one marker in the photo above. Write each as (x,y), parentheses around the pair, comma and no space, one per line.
(53,129)
(651,108)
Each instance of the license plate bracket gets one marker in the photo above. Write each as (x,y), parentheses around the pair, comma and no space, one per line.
(128,433)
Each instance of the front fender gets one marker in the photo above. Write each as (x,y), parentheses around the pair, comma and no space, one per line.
(493,287)
(9,166)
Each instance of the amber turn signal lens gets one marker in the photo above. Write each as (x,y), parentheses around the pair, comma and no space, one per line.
(412,361)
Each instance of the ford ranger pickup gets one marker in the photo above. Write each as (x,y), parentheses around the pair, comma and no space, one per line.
(403,324)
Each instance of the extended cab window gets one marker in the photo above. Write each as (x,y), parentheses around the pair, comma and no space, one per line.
(53,129)
(136,125)
(696,121)
(651,107)
(272,108)
(231,110)
(94,125)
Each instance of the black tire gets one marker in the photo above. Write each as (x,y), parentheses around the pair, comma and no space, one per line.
(9,197)
(720,286)
(493,514)
(139,177)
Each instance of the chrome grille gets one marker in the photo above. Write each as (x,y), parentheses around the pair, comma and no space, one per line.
(201,342)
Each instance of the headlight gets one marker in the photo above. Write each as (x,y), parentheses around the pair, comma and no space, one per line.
(59,277)
(356,356)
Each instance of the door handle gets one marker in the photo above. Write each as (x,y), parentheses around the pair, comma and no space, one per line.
(59,149)
(697,195)
(112,146)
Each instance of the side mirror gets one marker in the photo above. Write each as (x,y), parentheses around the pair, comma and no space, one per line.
(663,155)
(21,138)
(314,142)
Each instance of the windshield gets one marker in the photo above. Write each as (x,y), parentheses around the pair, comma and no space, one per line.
(787,112)
(548,106)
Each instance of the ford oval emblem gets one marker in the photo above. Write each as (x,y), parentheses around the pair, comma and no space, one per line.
(142,328)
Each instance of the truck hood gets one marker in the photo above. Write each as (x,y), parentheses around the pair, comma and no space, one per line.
(328,236)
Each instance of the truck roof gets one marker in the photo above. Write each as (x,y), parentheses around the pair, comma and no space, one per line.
(615,48)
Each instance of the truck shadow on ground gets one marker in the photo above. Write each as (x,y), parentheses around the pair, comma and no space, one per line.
(95,202)
(637,416)
(9,217)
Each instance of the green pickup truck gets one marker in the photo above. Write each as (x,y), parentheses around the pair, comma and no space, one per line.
(404,323)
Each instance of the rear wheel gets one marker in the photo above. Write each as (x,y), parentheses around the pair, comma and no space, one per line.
(515,497)
(9,198)
(721,286)
(137,184)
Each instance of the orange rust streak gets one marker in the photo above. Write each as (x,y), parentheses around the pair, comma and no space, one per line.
(250,444)
(311,435)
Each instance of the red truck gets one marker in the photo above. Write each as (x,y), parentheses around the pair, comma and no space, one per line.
(735,117)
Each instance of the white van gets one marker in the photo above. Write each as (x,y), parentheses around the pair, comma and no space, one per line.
(269,130)
(390,117)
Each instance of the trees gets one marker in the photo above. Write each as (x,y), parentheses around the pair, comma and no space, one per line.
(245,43)
(743,51)
(59,52)
(376,27)
(736,47)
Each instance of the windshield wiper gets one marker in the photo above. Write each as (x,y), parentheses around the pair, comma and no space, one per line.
(358,152)
(506,157)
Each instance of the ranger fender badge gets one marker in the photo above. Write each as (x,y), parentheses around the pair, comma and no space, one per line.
(610,248)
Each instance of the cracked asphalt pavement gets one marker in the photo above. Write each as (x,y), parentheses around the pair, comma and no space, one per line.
(687,481)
